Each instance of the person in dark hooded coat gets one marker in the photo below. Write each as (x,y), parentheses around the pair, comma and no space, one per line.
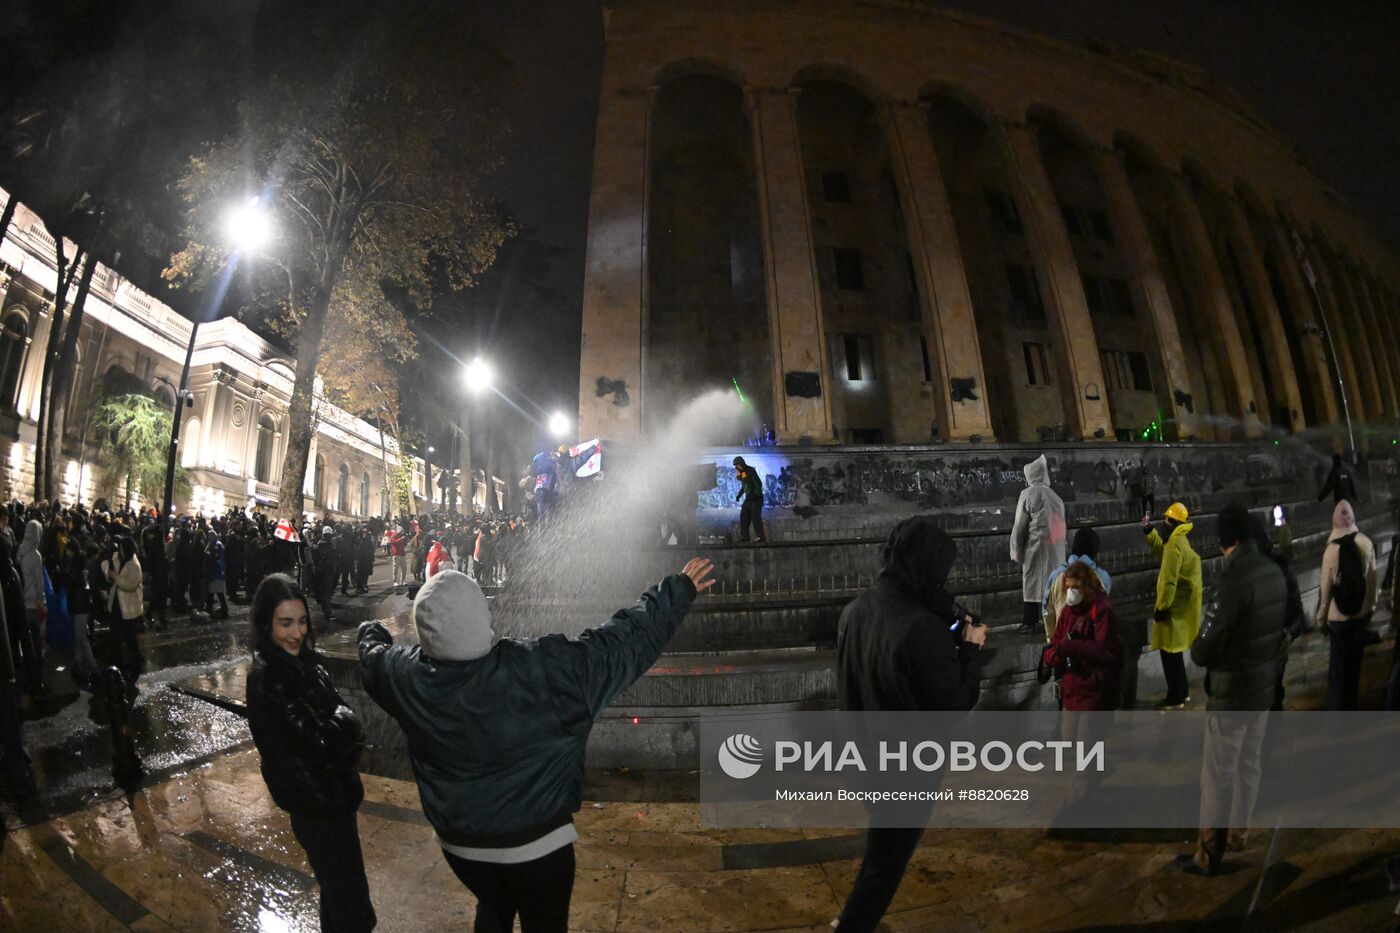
(904,644)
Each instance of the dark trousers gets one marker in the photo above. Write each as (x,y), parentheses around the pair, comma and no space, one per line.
(29,667)
(332,847)
(1174,670)
(538,891)
(1031,614)
(1344,662)
(751,516)
(887,854)
(126,650)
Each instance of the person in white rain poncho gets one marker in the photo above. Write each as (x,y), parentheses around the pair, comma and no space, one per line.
(1037,537)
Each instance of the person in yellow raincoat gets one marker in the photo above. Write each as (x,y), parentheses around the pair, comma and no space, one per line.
(1176,615)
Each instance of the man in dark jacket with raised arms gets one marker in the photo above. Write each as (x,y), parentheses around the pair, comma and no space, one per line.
(903,644)
(496,731)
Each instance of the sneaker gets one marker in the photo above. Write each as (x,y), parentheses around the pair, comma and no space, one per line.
(1187,863)
(1166,704)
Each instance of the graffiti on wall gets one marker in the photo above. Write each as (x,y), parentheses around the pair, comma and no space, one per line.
(935,480)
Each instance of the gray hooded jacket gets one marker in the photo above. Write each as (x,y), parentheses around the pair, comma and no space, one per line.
(1038,535)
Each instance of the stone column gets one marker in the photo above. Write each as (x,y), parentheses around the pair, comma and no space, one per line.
(1376,337)
(615,269)
(1353,332)
(1319,373)
(1389,330)
(1261,296)
(1215,299)
(796,327)
(1150,284)
(948,322)
(1082,388)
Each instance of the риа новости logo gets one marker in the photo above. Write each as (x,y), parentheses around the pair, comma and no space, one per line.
(741,756)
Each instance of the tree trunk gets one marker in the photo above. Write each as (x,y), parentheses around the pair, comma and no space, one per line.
(384,459)
(301,426)
(42,486)
(64,383)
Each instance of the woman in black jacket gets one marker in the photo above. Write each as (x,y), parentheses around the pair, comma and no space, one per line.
(310,743)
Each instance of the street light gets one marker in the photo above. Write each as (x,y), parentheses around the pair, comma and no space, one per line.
(559,425)
(478,375)
(248,227)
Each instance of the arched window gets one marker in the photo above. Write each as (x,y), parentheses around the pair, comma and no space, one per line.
(189,443)
(267,436)
(13,337)
(342,498)
(364,493)
(318,482)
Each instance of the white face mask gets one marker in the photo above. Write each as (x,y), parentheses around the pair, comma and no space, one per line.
(1074,596)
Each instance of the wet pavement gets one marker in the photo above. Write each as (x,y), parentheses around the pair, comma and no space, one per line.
(70,744)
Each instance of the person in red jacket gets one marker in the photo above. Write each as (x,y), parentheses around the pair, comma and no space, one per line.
(1085,650)
(398,546)
(438,556)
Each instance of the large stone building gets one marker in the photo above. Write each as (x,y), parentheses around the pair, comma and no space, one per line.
(233,439)
(890,223)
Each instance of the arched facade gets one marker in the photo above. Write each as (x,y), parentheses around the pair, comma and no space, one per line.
(962,231)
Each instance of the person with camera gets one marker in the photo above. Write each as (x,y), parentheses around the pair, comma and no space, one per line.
(497,729)
(904,644)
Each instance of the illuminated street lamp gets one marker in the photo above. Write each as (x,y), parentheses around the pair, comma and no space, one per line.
(247,227)
(559,425)
(478,375)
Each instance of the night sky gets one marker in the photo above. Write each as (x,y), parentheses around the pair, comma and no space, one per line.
(1323,73)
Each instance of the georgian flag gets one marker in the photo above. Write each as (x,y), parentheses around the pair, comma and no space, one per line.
(286,532)
(591,455)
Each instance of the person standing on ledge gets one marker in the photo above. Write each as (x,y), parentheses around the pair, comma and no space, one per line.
(1176,615)
(751,491)
(497,728)
(1037,539)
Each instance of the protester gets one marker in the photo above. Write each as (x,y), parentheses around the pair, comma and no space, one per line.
(216,569)
(1085,651)
(438,557)
(16,778)
(1346,598)
(903,644)
(31,572)
(751,492)
(1084,548)
(1176,613)
(1240,646)
(309,743)
(1037,538)
(397,546)
(1340,482)
(124,609)
(1295,617)
(500,785)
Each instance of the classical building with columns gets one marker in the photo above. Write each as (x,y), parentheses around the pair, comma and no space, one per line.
(233,438)
(892,223)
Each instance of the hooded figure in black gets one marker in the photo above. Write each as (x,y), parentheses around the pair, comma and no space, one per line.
(903,645)
(895,647)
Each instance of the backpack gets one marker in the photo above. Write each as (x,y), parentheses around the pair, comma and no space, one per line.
(1350,591)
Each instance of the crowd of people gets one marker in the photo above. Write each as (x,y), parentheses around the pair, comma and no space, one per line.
(500,784)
